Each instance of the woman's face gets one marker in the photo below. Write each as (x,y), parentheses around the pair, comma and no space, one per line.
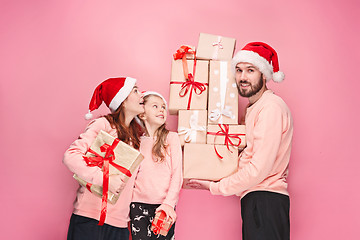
(134,103)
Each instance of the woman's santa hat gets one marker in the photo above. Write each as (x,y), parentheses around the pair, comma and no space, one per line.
(261,56)
(112,92)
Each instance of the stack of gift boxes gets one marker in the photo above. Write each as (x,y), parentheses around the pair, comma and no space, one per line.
(203,94)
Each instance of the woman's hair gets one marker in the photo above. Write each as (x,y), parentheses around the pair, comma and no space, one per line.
(160,146)
(129,135)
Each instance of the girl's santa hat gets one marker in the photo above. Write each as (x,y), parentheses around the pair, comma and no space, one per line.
(261,56)
(112,92)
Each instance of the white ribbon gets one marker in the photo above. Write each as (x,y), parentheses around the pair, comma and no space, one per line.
(217,113)
(190,133)
(218,45)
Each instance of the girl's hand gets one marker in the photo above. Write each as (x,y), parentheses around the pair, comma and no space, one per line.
(169,210)
(199,184)
(116,183)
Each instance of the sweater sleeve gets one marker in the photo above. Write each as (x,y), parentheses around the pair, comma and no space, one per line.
(73,157)
(267,134)
(176,164)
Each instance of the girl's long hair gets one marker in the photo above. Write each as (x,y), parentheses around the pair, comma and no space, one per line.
(129,135)
(159,149)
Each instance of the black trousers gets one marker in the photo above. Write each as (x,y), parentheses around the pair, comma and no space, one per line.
(141,217)
(84,228)
(265,216)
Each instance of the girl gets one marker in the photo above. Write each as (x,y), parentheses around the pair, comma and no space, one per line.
(125,102)
(159,178)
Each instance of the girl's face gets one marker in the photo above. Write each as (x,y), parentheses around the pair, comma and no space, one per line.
(155,111)
(134,103)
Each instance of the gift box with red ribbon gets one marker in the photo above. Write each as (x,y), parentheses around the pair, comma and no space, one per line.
(201,161)
(114,157)
(223,94)
(159,225)
(214,47)
(224,134)
(188,84)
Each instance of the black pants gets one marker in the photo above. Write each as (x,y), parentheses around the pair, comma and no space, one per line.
(141,216)
(84,228)
(265,216)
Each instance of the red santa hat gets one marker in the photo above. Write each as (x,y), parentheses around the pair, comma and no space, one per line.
(146,93)
(261,56)
(112,92)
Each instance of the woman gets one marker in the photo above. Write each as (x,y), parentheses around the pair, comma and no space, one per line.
(125,101)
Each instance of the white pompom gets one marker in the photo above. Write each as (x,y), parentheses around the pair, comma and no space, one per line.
(278,76)
(88,116)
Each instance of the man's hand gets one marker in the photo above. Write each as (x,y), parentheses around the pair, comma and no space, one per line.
(199,184)
(169,211)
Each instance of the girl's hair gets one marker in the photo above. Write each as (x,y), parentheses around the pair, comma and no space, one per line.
(160,146)
(129,135)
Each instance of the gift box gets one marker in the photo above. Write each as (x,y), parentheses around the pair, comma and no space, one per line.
(188,88)
(114,157)
(223,94)
(223,134)
(213,47)
(98,190)
(186,51)
(192,126)
(159,225)
(202,161)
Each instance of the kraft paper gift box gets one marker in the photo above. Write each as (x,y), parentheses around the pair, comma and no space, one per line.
(186,94)
(98,190)
(202,162)
(192,126)
(222,134)
(123,159)
(223,94)
(214,47)
(159,225)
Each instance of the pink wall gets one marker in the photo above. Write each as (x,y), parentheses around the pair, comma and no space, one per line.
(54,53)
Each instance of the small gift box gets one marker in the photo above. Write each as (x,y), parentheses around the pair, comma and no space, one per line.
(114,157)
(159,225)
(213,47)
(188,89)
(192,126)
(98,190)
(223,134)
(201,161)
(223,94)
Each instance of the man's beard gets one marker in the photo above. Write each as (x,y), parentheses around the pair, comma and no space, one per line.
(254,89)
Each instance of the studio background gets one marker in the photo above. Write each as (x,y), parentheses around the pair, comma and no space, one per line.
(54,54)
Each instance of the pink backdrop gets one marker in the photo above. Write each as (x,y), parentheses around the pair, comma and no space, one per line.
(54,53)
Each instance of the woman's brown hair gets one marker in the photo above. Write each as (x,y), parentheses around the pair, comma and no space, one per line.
(160,146)
(129,135)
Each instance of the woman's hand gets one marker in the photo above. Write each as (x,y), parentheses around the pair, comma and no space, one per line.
(169,211)
(116,183)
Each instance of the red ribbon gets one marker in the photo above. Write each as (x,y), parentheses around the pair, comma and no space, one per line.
(224,130)
(189,84)
(159,223)
(88,186)
(103,162)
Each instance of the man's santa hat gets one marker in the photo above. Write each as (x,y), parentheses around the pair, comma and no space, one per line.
(112,92)
(261,56)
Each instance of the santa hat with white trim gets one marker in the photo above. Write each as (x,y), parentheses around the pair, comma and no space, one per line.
(112,92)
(146,93)
(261,56)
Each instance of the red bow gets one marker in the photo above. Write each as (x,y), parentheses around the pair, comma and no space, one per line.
(103,162)
(182,51)
(224,130)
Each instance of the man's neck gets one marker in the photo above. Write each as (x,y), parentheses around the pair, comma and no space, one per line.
(253,99)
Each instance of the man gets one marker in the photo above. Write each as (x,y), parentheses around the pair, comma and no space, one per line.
(263,165)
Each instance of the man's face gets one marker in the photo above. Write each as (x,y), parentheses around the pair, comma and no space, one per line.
(249,79)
